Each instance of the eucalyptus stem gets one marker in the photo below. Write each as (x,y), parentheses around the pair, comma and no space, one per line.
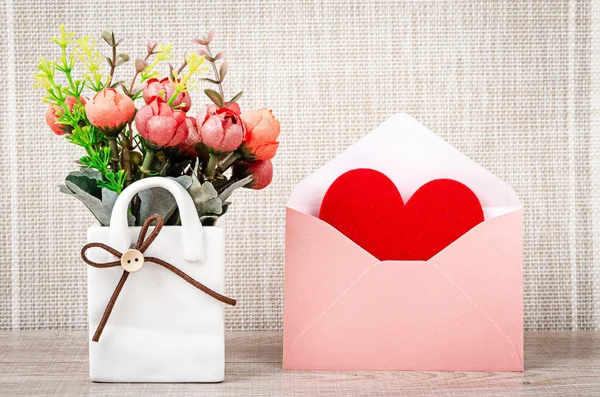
(114,61)
(214,68)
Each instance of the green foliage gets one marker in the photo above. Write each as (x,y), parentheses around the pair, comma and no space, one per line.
(67,61)
(83,185)
(195,65)
(98,156)
(235,98)
(104,175)
(115,181)
(215,97)
(92,60)
(88,137)
(59,86)
(100,160)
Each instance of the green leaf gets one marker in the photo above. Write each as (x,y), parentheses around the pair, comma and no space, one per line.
(219,182)
(235,98)
(210,80)
(223,70)
(160,201)
(205,197)
(226,193)
(109,37)
(209,220)
(203,154)
(125,90)
(121,59)
(86,179)
(100,202)
(115,181)
(214,96)
(226,205)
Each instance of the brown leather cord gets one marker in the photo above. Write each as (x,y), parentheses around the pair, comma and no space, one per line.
(104,247)
(190,280)
(142,244)
(109,306)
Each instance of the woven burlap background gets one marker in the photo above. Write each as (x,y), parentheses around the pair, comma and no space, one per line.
(507,82)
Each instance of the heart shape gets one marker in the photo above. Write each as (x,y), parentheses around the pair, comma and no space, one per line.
(367,207)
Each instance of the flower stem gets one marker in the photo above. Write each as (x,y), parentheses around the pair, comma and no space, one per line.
(228,161)
(209,172)
(114,60)
(173,97)
(126,164)
(114,153)
(214,68)
(147,164)
(137,73)
(183,65)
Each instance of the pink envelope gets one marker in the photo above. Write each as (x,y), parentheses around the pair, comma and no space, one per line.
(460,310)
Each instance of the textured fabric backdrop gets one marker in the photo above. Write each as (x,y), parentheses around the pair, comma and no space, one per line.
(507,82)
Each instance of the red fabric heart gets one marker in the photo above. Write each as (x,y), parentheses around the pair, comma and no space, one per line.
(366,206)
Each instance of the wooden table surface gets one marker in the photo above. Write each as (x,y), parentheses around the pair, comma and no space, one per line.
(54,363)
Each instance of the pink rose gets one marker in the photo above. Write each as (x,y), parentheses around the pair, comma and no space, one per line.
(164,90)
(55,111)
(262,130)
(221,130)
(160,124)
(261,171)
(110,110)
(187,147)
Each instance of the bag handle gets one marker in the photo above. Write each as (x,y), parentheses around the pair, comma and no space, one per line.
(192,234)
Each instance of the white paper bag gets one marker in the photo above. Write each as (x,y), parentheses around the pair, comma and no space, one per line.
(161,328)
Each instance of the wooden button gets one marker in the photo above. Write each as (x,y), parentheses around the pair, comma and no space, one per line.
(132,260)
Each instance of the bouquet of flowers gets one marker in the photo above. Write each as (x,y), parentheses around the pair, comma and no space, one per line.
(140,126)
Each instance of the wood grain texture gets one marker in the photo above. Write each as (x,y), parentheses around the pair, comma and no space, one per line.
(54,363)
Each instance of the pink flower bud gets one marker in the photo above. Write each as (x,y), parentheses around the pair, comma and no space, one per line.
(261,171)
(262,130)
(110,110)
(187,147)
(140,65)
(164,90)
(221,130)
(160,124)
(54,112)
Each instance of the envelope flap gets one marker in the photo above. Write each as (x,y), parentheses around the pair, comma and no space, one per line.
(410,155)
(486,264)
(320,264)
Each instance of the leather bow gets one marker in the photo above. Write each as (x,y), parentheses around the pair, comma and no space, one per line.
(132,260)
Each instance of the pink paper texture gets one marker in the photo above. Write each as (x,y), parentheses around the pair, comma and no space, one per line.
(461,310)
